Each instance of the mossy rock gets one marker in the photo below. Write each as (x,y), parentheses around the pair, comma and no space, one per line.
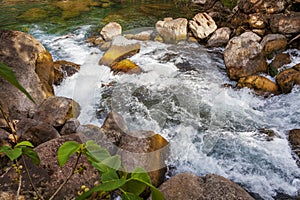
(34,14)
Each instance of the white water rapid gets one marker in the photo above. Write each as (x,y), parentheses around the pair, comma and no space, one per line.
(211,128)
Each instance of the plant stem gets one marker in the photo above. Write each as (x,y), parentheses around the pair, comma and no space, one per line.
(68,178)
(8,122)
(19,187)
(30,180)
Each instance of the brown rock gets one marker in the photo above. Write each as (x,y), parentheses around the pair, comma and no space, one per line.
(37,132)
(280,60)
(143,36)
(264,6)
(48,176)
(260,84)
(202,188)
(24,55)
(285,23)
(63,69)
(243,56)
(294,139)
(70,127)
(297,67)
(57,110)
(172,30)
(273,42)
(120,49)
(110,30)
(126,66)
(147,150)
(202,25)
(287,79)
(219,38)
(257,21)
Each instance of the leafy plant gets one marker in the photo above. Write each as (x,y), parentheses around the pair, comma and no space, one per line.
(113,181)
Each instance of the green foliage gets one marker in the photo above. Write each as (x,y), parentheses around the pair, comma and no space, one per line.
(273,71)
(7,74)
(229,3)
(65,151)
(22,148)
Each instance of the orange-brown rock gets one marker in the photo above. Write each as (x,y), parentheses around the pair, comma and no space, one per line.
(287,79)
(126,66)
(280,60)
(260,84)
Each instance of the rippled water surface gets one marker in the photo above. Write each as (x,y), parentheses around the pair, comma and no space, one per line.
(211,128)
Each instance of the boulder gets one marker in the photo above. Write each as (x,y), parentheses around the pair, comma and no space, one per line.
(294,139)
(120,49)
(280,60)
(143,36)
(32,65)
(288,23)
(286,79)
(63,69)
(37,132)
(57,110)
(260,84)
(202,25)
(70,127)
(264,6)
(272,43)
(208,187)
(243,56)
(257,21)
(110,30)
(48,176)
(219,38)
(172,30)
(126,66)
(147,150)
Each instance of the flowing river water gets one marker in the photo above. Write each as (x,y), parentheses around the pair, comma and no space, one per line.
(211,128)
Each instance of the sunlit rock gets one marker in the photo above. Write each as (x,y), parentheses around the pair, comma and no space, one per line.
(257,20)
(147,150)
(33,67)
(266,6)
(57,110)
(202,25)
(172,30)
(286,79)
(210,186)
(272,43)
(219,38)
(126,66)
(110,30)
(243,56)
(285,23)
(121,48)
(260,84)
(64,69)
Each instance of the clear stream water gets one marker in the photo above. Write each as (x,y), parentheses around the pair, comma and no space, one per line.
(211,128)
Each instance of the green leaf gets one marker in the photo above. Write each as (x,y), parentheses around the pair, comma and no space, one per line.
(134,187)
(7,74)
(130,196)
(106,187)
(100,167)
(109,175)
(66,150)
(273,71)
(156,194)
(32,154)
(12,154)
(24,143)
(112,162)
(140,174)
(95,152)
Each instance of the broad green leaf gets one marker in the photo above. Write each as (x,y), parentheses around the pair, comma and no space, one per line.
(7,74)
(112,162)
(140,174)
(273,71)
(32,154)
(24,143)
(106,187)
(156,194)
(134,187)
(66,150)
(12,154)
(130,196)
(100,167)
(109,175)
(96,152)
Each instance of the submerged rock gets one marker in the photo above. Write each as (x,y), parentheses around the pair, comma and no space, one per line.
(120,49)
(172,30)
(202,25)
(243,56)
(110,30)
(208,187)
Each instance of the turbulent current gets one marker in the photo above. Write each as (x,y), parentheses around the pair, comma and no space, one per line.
(181,95)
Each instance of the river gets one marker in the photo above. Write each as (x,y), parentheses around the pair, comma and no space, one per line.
(181,95)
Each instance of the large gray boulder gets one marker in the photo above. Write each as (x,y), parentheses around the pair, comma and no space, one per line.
(202,25)
(172,30)
(211,186)
(33,67)
(243,56)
